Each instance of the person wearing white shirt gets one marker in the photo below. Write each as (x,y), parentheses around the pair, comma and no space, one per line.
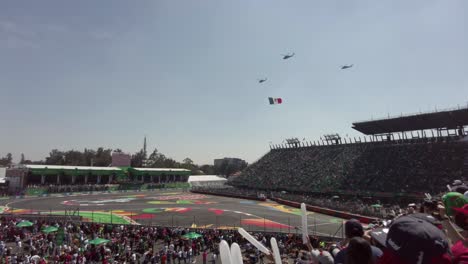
(185,256)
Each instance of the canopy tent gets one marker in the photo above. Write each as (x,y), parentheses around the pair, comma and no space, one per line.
(191,235)
(24,224)
(206,181)
(98,241)
(49,229)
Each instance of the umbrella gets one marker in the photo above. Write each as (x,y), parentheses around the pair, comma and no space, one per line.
(98,241)
(192,235)
(24,224)
(49,229)
(376,205)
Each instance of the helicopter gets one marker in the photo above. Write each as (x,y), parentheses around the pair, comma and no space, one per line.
(285,57)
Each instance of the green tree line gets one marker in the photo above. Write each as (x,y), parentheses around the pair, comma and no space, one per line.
(102,157)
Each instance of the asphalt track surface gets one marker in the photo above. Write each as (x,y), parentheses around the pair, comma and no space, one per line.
(177,208)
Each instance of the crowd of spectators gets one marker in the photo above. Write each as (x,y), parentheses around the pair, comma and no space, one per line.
(128,244)
(431,231)
(355,205)
(376,167)
(230,191)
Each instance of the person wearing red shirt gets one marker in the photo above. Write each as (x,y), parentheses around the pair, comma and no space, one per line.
(205,256)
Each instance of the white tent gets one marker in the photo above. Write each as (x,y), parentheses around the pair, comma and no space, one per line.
(206,181)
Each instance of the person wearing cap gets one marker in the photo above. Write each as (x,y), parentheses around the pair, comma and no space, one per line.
(411,208)
(415,240)
(353,228)
(459,186)
(453,200)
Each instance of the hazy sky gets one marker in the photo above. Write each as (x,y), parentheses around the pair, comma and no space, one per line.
(76,74)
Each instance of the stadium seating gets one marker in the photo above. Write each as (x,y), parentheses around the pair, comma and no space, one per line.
(376,166)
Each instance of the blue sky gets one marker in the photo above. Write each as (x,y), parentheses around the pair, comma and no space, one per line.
(76,74)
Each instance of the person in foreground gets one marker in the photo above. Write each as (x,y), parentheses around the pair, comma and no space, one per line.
(353,228)
(412,240)
(359,252)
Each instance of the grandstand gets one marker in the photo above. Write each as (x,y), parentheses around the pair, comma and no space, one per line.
(398,157)
(45,175)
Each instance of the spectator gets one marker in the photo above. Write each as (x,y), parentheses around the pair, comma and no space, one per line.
(359,252)
(414,240)
(453,200)
(460,247)
(353,228)
(459,186)
(205,255)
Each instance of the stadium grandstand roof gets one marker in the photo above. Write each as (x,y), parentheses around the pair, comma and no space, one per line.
(450,119)
(159,169)
(79,170)
(72,170)
(63,167)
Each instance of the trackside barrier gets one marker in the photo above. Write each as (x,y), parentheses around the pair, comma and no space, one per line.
(317,209)
(231,195)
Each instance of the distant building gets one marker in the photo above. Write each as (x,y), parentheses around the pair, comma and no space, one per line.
(120,159)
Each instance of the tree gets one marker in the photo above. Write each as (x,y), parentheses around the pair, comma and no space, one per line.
(187,161)
(170,163)
(103,157)
(74,158)
(7,160)
(227,168)
(22,159)
(56,157)
(158,160)
(137,159)
(88,156)
(207,169)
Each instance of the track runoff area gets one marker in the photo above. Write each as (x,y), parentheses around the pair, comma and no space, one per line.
(177,209)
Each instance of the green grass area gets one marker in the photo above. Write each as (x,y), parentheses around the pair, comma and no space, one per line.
(35,191)
(99,217)
(125,186)
(184,202)
(177,185)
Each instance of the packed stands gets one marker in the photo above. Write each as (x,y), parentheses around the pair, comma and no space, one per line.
(392,167)
(74,242)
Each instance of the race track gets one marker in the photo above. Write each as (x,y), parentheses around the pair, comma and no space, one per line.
(177,208)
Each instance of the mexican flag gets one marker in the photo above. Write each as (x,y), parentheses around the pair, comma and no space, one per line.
(275,100)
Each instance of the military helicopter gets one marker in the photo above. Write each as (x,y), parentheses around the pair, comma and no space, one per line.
(285,57)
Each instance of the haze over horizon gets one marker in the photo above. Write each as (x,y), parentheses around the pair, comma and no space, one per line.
(87,74)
